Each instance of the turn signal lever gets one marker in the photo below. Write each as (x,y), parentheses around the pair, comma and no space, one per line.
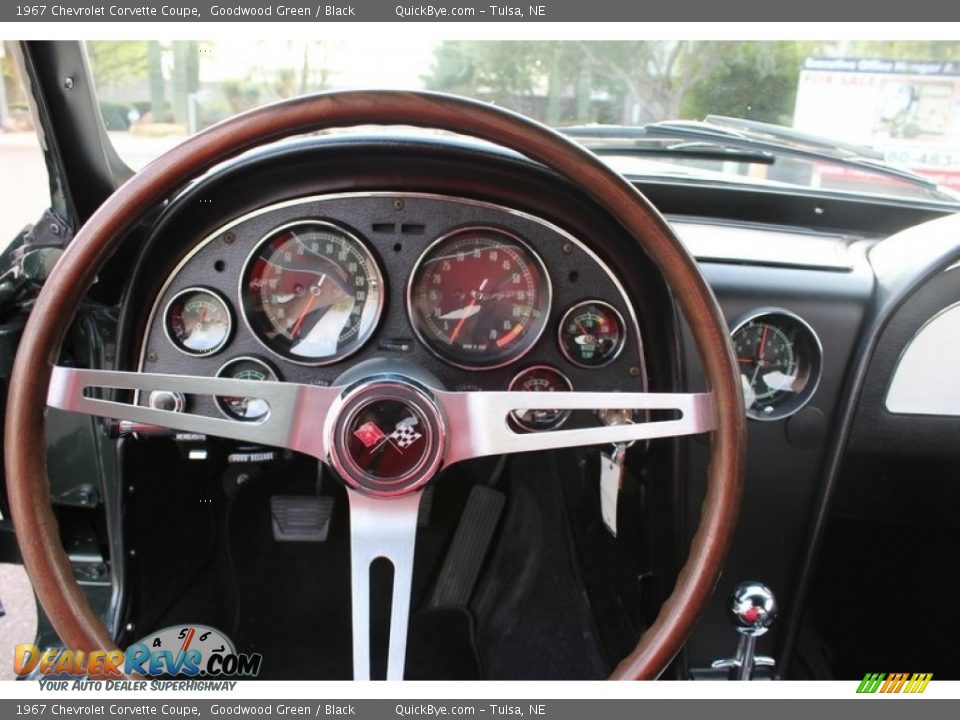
(753,608)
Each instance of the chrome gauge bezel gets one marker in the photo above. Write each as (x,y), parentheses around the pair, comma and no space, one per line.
(531,342)
(620,345)
(362,338)
(812,360)
(221,298)
(270,370)
(564,414)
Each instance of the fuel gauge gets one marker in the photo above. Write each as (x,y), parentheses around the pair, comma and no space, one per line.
(591,334)
(540,378)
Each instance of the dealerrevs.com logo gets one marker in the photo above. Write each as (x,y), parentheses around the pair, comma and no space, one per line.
(192,651)
(911,683)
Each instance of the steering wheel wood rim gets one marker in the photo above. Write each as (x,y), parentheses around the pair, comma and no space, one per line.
(28,488)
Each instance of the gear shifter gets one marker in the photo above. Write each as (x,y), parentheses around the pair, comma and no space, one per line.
(753,608)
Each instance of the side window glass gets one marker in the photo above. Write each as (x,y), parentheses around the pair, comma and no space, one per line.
(24,184)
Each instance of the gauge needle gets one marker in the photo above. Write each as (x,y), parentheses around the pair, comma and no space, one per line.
(314,294)
(468,312)
(586,334)
(461,313)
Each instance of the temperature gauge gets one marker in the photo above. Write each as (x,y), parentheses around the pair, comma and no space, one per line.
(245,408)
(198,321)
(591,334)
(540,378)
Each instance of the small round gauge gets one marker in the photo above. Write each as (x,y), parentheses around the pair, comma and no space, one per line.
(479,298)
(198,321)
(540,378)
(312,292)
(591,334)
(245,408)
(779,357)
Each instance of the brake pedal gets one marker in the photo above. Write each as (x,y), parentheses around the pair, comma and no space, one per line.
(300,518)
(471,542)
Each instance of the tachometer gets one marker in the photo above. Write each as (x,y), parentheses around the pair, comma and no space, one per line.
(479,298)
(312,292)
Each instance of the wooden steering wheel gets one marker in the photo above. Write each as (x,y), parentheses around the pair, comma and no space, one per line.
(383,524)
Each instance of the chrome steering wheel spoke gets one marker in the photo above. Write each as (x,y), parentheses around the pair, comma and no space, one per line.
(482,425)
(386,436)
(295,419)
(382,528)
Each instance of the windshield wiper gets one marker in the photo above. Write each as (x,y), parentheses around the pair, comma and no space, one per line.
(759,142)
(664,147)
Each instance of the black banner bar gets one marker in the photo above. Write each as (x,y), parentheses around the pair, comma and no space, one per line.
(404,709)
(536,11)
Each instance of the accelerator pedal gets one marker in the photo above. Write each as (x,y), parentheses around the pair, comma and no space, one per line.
(471,542)
(300,518)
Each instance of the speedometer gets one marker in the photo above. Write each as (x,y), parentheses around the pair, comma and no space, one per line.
(312,292)
(479,298)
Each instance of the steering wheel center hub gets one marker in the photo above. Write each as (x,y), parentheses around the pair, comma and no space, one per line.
(387,436)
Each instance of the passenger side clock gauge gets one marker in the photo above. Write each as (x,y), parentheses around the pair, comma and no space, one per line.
(198,321)
(312,292)
(591,334)
(479,298)
(779,357)
(245,408)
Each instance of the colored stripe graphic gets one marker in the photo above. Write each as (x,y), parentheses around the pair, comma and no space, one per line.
(894,683)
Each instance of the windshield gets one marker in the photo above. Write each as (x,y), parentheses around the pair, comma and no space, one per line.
(879,118)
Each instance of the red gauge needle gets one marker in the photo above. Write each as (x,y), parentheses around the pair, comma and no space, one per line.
(582,328)
(314,294)
(467,313)
(763,342)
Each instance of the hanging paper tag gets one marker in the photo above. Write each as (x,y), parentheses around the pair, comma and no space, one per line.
(611,475)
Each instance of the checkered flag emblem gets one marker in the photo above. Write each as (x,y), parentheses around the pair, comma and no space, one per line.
(404,435)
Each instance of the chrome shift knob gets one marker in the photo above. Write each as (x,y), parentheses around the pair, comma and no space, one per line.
(754,608)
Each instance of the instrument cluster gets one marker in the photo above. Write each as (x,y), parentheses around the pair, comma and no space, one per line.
(511,303)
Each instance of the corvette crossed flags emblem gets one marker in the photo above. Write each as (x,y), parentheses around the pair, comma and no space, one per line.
(403,436)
